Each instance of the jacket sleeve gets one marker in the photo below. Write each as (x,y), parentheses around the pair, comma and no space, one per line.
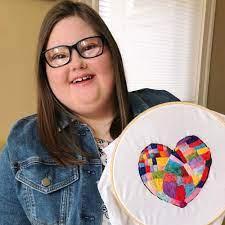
(156,96)
(11,211)
(170,97)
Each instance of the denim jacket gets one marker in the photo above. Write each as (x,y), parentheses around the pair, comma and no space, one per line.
(35,190)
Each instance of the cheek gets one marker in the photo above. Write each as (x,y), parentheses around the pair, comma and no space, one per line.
(58,83)
(55,76)
(50,75)
(109,71)
(105,67)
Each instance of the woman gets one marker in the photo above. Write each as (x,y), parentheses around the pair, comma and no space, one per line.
(52,161)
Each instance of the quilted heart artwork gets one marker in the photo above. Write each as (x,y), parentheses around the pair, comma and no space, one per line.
(175,176)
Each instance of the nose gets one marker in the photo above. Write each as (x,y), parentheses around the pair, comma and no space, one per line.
(77,62)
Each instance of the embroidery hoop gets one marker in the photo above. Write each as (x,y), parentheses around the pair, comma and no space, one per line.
(119,188)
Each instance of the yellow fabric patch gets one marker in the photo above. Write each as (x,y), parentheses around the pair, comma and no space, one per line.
(202,151)
(158,183)
(162,161)
(196,179)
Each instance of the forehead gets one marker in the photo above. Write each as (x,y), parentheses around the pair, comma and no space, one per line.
(68,31)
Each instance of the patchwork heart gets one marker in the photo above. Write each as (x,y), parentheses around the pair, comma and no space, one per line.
(175,176)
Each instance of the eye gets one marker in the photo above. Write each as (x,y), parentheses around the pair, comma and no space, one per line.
(89,47)
(59,56)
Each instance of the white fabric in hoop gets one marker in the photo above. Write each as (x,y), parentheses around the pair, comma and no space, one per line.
(128,199)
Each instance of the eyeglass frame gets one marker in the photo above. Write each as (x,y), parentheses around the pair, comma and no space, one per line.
(74,46)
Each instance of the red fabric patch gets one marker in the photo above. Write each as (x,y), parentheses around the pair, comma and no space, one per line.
(180,193)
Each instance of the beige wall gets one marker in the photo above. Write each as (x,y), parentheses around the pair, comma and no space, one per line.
(216,94)
(19,26)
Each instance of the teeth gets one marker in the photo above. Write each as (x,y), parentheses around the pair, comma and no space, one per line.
(87,77)
(82,78)
(77,80)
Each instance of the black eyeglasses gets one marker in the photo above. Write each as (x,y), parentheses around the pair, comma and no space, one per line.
(87,48)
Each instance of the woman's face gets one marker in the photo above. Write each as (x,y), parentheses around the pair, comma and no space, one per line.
(68,83)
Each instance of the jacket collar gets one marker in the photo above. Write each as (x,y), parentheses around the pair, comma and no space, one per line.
(137,104)
(64,120)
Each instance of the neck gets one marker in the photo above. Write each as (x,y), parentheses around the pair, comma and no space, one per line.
(100,123)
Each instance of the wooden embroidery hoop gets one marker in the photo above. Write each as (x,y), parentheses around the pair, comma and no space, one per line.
(123,207)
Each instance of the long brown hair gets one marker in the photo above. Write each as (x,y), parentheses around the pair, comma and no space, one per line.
(63,144)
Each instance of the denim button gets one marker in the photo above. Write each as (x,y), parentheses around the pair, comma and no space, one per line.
(90,172)
(90,218)
(46,182)
(82,133)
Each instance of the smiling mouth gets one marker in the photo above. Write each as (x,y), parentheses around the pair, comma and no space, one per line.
(82,79)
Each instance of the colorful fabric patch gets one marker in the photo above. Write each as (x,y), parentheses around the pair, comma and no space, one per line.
(175,176)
